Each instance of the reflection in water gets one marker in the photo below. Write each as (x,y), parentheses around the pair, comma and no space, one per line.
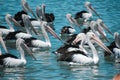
(12,73)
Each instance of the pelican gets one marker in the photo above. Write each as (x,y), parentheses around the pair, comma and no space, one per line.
(31,41)
(115,48)
(101,24)
(9,19)
(48,17)
(80,58)
(74,43)
(72,20)
(98,28)
(9,60)
(67,31)
(18,18)
(19,34)
(40,44)
(86,15)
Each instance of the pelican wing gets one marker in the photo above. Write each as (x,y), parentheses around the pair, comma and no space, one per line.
(12,62)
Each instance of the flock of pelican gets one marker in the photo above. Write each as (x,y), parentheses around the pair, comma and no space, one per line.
(78,49)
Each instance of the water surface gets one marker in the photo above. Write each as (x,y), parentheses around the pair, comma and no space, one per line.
(46,67)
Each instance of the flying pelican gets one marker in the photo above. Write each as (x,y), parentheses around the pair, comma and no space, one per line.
(80,57)
(86,15)
(9,60)
(115,48)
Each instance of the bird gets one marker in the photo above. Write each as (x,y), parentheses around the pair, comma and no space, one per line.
(101,24)
(10,60)
(48,17)
(6,30)
(98,27)
(31,41)
(86,15)
(18,17)
(79,57)
(18,33)
(115,48)
(71,44)
(67,31)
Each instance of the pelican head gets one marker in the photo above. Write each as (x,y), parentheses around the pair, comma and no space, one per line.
(39,12)
(10,19)
(50,30)
(26,7)
(79,37)
(21,42)
(43,12)
(93,37)
(94,26)
(71,20)
(117,39)
(87,3)
(28,24)
(101,24)
(69,17)
(90,8)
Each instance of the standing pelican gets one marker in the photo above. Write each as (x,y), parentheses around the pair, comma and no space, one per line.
(80,57)
(9,60)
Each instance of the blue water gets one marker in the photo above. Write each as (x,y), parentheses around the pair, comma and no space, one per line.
(46,66)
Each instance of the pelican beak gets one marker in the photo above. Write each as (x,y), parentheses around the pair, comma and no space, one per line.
(28,23)
(100,43)
(15,22)
(9,18)
(50,30)
(39,12)
(3,44)
(71,20)
(26,7)
(28,50)
(91,8)
(117,39)
(105,27)
(43,12)
(101,32)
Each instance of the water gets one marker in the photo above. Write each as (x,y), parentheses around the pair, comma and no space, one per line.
(46,67)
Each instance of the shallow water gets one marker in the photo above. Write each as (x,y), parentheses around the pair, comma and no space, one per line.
(46,67)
